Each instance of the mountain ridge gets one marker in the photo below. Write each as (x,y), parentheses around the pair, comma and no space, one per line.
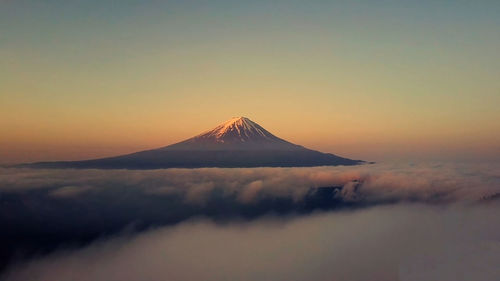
(236,143)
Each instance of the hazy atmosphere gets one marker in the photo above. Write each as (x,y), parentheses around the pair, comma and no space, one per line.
(249,140)
(366,80)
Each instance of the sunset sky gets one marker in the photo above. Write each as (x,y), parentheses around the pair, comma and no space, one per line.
(371,80)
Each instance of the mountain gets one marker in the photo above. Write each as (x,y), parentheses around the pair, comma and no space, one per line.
(238,142)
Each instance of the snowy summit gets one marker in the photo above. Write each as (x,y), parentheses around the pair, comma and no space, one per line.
(235,130)
(239,129)
(238,133)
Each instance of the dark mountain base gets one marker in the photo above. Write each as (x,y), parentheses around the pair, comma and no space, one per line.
(157,159)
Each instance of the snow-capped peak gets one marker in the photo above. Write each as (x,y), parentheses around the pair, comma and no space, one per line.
(237,133)
(237,129)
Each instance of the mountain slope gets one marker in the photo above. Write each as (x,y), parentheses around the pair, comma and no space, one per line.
(238,142)
(238,133)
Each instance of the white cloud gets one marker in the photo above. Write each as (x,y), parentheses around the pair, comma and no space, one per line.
(412,242)
(389,243)
(379,182)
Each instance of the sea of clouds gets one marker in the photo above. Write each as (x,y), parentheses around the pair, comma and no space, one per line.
(392,221)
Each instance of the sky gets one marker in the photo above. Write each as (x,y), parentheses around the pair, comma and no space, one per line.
(371,80)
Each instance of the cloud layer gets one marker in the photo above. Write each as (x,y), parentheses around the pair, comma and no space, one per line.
(397,242)
(44,210)
(414,182)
